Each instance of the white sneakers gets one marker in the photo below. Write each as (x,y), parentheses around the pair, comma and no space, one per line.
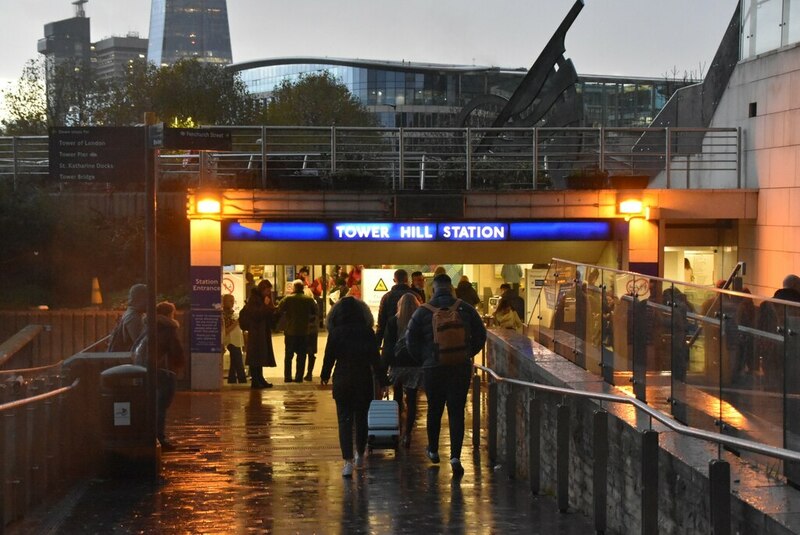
(358,462)
(347,471)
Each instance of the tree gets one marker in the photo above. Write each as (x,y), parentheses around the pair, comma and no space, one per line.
(191,92)
(25,104)
(316,100)
(129,98)
(75,96)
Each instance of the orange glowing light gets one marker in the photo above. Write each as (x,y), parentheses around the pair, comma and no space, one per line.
(208,206)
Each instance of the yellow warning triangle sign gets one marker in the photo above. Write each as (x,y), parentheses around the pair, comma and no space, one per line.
(381,286)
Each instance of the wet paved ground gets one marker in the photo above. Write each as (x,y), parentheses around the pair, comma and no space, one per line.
(268,461)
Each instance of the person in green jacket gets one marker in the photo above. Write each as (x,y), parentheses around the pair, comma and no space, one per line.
(298,311)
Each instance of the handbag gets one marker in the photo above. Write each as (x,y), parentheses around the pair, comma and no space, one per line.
(402,356)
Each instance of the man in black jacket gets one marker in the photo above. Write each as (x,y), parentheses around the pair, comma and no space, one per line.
(445,385)
(388,306)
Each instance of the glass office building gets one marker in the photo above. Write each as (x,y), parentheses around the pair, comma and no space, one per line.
(432,95)
(193,29)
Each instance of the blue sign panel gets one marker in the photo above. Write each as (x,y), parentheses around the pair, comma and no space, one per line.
(560,230)
(206,331)
(419,231)
(280,231)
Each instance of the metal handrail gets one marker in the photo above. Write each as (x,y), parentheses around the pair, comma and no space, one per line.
(681,283)
(11,405)
(725,440)
(31,370)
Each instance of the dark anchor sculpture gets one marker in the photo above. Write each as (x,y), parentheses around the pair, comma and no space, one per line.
(546,97)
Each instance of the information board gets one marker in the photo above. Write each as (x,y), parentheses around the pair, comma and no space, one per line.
(206,309)
(97,154)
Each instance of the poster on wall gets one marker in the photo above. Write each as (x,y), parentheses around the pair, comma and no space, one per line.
(206,328)
(375,283)
(234,283)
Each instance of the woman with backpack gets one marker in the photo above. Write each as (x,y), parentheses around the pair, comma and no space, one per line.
(353,349)
(404,378)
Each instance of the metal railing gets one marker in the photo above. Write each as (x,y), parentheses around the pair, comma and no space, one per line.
(441,158)
(38,449)
(719,470)
(717,360)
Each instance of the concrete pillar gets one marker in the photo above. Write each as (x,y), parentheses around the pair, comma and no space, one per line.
(206,275)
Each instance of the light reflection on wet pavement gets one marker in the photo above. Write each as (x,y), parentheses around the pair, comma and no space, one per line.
(268,461)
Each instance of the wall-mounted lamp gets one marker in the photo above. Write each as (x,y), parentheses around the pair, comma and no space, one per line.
(205,204)
(208,205)
(630,208)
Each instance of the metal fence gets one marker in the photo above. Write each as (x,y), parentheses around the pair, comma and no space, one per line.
(715,359)
(438,159)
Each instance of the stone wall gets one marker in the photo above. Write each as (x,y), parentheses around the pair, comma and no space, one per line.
(760,504)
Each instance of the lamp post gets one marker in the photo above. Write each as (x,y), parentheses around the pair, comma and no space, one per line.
(154,138)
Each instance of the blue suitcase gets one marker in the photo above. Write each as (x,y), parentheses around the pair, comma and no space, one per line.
(383,423)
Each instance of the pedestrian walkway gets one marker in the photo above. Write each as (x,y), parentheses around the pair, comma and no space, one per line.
(268,461)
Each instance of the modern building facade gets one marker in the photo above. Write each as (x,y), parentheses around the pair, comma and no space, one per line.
(189,29)
(763,99)
(432,95)
(114,56)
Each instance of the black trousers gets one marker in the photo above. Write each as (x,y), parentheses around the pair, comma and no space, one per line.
(447,386)
(295,344)
(352,414)
(236,371)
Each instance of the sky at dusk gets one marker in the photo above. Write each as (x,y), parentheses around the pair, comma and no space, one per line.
(622,37)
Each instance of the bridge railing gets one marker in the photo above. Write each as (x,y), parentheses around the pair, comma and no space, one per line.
(718,360)
(558,430)
(39,450)
(438,159)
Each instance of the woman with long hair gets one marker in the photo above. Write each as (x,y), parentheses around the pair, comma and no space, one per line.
(353,349)
(506,317)
(257,317)
(405,379)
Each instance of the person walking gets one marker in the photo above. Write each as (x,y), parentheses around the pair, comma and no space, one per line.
(445,385)
(466,292)
(257,318)
(388,305)
(351,353)
(298,310)
(170,361)
(232,340)
(405,379)
(418,285)
(312,347)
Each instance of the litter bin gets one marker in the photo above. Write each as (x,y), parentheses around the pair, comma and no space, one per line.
(129,442)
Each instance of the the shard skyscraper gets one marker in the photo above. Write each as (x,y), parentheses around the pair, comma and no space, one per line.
(182,29)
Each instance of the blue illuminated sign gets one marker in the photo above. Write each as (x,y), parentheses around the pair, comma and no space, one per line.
(561,230)
(419,231)
(384,231)
(473,231)
(279,231)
